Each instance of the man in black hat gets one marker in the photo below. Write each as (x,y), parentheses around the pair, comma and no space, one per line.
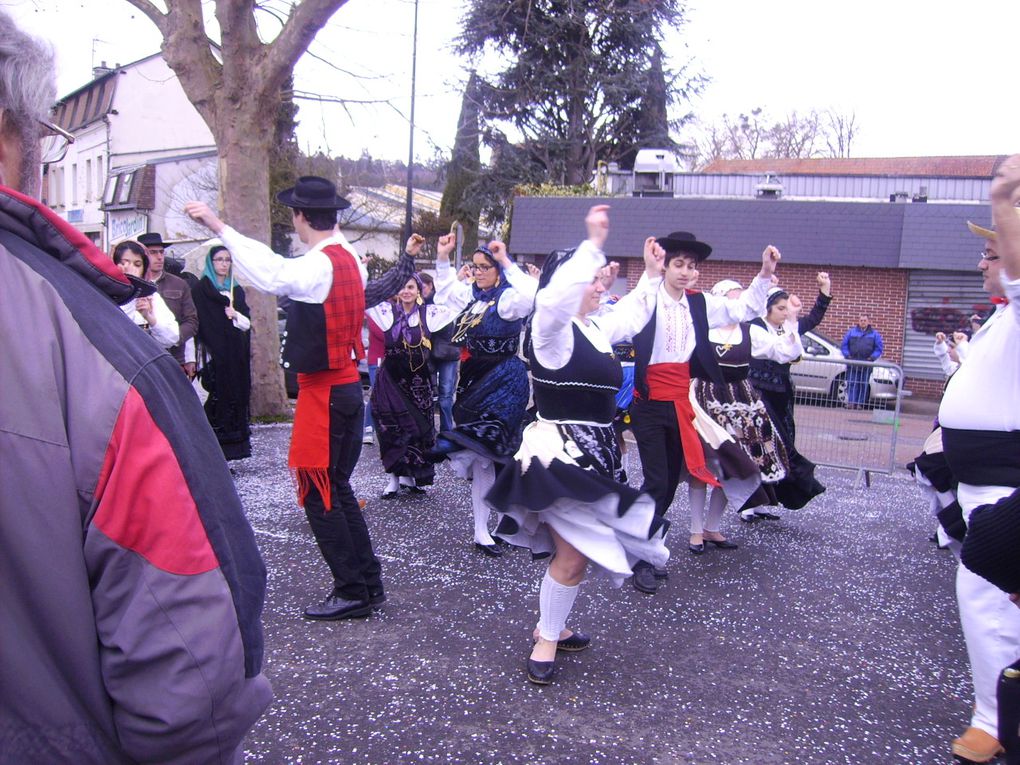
(329,289)
(176,293)
(672,348)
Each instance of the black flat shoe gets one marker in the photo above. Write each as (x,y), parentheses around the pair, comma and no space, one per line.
(723,544)
(660,572)
(696,549)
(541,672)
(747,518)
(493,551)
(389,495)
(377,600)
(415,489)
(767,516)
(577,641)
(334,608)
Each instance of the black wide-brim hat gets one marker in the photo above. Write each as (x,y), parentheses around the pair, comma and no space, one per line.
(685,242)
(152,240)
(312,193)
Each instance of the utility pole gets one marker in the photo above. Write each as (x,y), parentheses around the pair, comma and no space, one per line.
(410,148)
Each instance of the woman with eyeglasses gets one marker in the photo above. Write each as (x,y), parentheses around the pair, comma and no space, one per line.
(224,352)
(149,313)
(493,389)
(401,400)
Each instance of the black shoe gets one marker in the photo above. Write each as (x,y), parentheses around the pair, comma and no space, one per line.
(644,579)
(334,607)
(750,518)
(389,495)
(767,516)
(723,544)
(577,641)
(415,489)
(378,599)
(493,551)
(541,672)
(660,572)
(698,549)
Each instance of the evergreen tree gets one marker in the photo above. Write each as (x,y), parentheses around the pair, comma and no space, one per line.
(574,77)
(460,199)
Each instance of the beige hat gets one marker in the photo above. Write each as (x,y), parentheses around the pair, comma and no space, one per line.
(987,233)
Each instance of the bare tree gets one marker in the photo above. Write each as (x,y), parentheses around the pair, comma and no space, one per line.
(234,85)
(843,128)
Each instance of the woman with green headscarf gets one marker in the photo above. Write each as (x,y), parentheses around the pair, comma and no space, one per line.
(224,352)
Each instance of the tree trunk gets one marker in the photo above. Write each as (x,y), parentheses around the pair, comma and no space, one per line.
(244,142)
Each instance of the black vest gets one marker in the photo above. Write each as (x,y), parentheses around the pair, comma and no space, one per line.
(703,361)
(766,374)
(303,346)
(582,389)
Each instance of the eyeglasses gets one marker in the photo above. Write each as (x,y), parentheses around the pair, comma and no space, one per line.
(988,257)
(54,143)
(221,260)
(483,267)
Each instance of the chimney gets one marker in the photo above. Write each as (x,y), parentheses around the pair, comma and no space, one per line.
(99,71)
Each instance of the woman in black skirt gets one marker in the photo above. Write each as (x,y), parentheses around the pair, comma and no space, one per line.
(562,495)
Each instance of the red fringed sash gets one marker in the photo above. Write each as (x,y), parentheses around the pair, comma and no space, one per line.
(309,443)
(672,382)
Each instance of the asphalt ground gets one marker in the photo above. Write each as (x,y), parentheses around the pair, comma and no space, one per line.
(830,636)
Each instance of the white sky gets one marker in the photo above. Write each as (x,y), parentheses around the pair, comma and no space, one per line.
(921,81)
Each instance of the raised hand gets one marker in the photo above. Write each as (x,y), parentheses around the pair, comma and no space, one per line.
(498,250)
(200,212)
(414,244)
(597,222)
(770,258)
(447,243)
(824,283)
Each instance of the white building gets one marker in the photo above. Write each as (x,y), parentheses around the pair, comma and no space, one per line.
(141,150)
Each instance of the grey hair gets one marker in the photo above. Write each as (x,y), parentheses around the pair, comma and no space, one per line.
(27,93)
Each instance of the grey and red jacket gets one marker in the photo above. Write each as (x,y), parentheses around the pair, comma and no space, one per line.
(131,587)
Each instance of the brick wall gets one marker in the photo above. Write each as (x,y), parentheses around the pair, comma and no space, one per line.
(881,293)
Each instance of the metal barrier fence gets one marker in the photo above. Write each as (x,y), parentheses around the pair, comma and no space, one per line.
(847,413)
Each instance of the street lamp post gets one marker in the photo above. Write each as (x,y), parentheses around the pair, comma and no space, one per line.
(410,147)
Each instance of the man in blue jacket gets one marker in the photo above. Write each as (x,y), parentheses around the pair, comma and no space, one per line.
(861,343)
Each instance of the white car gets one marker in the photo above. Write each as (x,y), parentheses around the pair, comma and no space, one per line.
(820,376)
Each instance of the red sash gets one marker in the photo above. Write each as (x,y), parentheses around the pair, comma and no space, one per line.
(309,441)
(672,382)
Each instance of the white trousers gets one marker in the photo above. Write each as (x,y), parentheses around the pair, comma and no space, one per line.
(990,621)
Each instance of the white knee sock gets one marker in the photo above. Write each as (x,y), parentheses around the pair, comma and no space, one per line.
(392,486)
(554,603)
(483,475)
(406,480)
(696,492)
(716,507)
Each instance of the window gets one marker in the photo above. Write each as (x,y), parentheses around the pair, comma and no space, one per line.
(88,180)
(74,183)
(124,193)
(60,187)
(100,173)
(111,188)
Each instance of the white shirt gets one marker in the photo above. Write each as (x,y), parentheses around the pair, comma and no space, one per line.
(674,327)
(513,304)
(307,278)
(166,331)
(984,394)
(767,343)
(556,307)
(436,316)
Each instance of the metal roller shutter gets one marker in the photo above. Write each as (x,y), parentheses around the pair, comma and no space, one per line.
(938,301)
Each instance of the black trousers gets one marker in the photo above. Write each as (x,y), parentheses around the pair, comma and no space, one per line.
(341,533)
(658,440)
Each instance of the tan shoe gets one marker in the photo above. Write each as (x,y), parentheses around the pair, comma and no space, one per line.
(977,746)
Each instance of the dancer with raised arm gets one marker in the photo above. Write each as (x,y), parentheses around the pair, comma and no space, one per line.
(563,495)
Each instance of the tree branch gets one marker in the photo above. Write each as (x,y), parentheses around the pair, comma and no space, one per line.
(304,23)
(156,16)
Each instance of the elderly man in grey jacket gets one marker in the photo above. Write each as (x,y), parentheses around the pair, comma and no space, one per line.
(131,585)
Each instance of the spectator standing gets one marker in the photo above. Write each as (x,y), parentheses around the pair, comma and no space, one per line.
(176,294)
(862,342)
(132,586)
(376,351)
(445,359)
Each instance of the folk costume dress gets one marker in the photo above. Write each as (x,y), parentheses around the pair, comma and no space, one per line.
(401,401)
(771,378)
(737,407)
(493,388)
(225,348)
(566,474)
